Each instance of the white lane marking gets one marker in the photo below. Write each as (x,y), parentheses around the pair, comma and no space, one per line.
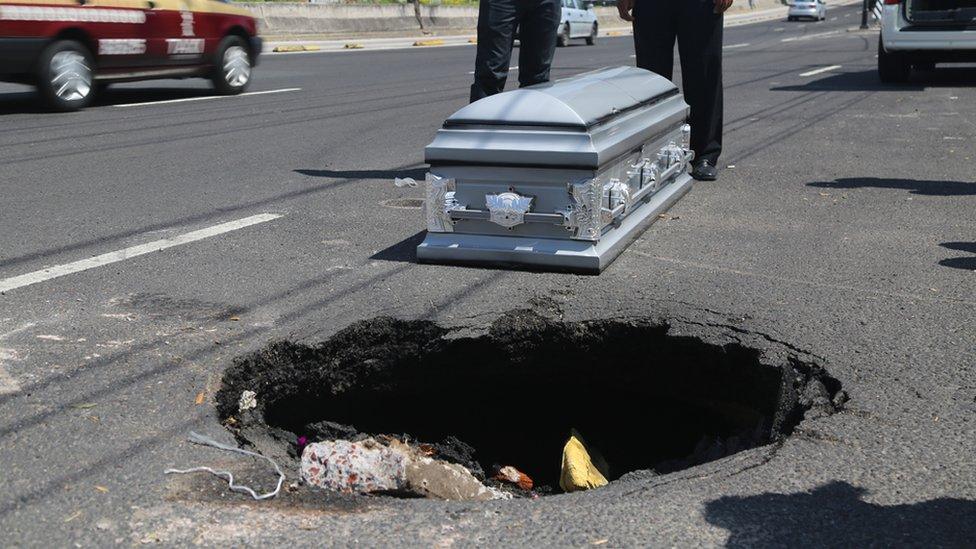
(515,68)
(20,281)
(810,36)
(820,70)
(847,15)
(9,385)
(833,18)
(205,98)
(733,46)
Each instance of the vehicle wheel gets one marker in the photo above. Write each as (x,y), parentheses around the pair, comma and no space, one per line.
(65,75)
(562,39)
(232,72)
(926,66)
(892,67)
(591,39)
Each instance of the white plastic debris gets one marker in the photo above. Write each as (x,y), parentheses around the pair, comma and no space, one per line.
(197,438)
(248,401)
(405,182)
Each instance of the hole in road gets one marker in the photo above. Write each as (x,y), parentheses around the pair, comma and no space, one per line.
(645,399)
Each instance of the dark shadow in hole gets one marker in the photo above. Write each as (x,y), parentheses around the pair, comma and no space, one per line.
(404,251)
(915,186)
(868,81)
(960,246)
(416,173)
(834,515)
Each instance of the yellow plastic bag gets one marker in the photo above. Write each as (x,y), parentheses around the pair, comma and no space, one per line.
(578,471)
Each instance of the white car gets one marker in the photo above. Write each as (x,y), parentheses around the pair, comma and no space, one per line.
(921,33)
(578,21)
(813,9)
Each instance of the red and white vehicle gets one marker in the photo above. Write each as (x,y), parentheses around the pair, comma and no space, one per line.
(69,49)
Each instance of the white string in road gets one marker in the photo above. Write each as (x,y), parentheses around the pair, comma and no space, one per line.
(820,70)
(57,271)
(205,98)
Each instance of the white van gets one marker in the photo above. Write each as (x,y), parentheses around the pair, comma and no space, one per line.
(921,33)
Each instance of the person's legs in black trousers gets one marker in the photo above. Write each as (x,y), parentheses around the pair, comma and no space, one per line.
(700,48)
(496,30)
(538,20)
(655,30)
(698,31)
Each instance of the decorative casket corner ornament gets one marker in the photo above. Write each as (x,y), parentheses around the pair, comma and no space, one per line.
(508,209)
(569,172)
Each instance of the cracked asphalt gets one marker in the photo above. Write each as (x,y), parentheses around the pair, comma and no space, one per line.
(842,231)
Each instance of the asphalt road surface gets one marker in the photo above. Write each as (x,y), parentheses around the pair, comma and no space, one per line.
(842,230)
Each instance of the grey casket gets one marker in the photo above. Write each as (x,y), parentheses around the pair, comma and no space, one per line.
(561,176)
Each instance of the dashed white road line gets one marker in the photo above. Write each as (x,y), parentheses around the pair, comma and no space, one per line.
(810,36)
(734,46)
(515,68)
(820,70)
(205,98)
(9,385)
(57,271)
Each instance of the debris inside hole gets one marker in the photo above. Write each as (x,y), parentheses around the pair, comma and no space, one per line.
(646,400)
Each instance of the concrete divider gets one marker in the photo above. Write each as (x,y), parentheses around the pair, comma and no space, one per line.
(296,19)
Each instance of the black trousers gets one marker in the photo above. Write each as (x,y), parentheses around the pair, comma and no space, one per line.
(497,20)
(698,30)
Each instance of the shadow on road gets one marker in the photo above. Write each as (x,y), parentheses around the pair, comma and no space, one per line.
(914,186)
(404,251)
(416,173)
(967,263)
(868,81)
(834,515)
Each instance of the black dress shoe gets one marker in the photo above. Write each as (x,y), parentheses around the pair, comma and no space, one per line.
(704,171)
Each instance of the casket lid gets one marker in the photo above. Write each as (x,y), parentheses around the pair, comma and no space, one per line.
(579,102)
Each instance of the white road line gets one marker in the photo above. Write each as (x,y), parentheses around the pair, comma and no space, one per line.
(205,98)
(733,46)
(820,70)
(833,18)
(810,36)
(847,15)
(515,68)
(9,385)
(20,281)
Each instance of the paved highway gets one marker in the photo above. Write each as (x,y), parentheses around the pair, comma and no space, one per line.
(147,241)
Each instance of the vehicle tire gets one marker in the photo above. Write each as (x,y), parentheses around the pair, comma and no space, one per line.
(893,68)
(591,39)
(562,39)
(65,75)
(232,66)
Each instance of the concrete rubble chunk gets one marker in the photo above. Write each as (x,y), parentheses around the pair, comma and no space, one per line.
(370,466)
(354,467)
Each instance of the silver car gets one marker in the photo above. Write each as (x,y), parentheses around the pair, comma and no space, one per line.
(578,21)
(812,9)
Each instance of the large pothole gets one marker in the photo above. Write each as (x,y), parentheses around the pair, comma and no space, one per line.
(644,398)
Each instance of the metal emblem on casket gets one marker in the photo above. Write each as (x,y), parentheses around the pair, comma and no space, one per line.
(508,209)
